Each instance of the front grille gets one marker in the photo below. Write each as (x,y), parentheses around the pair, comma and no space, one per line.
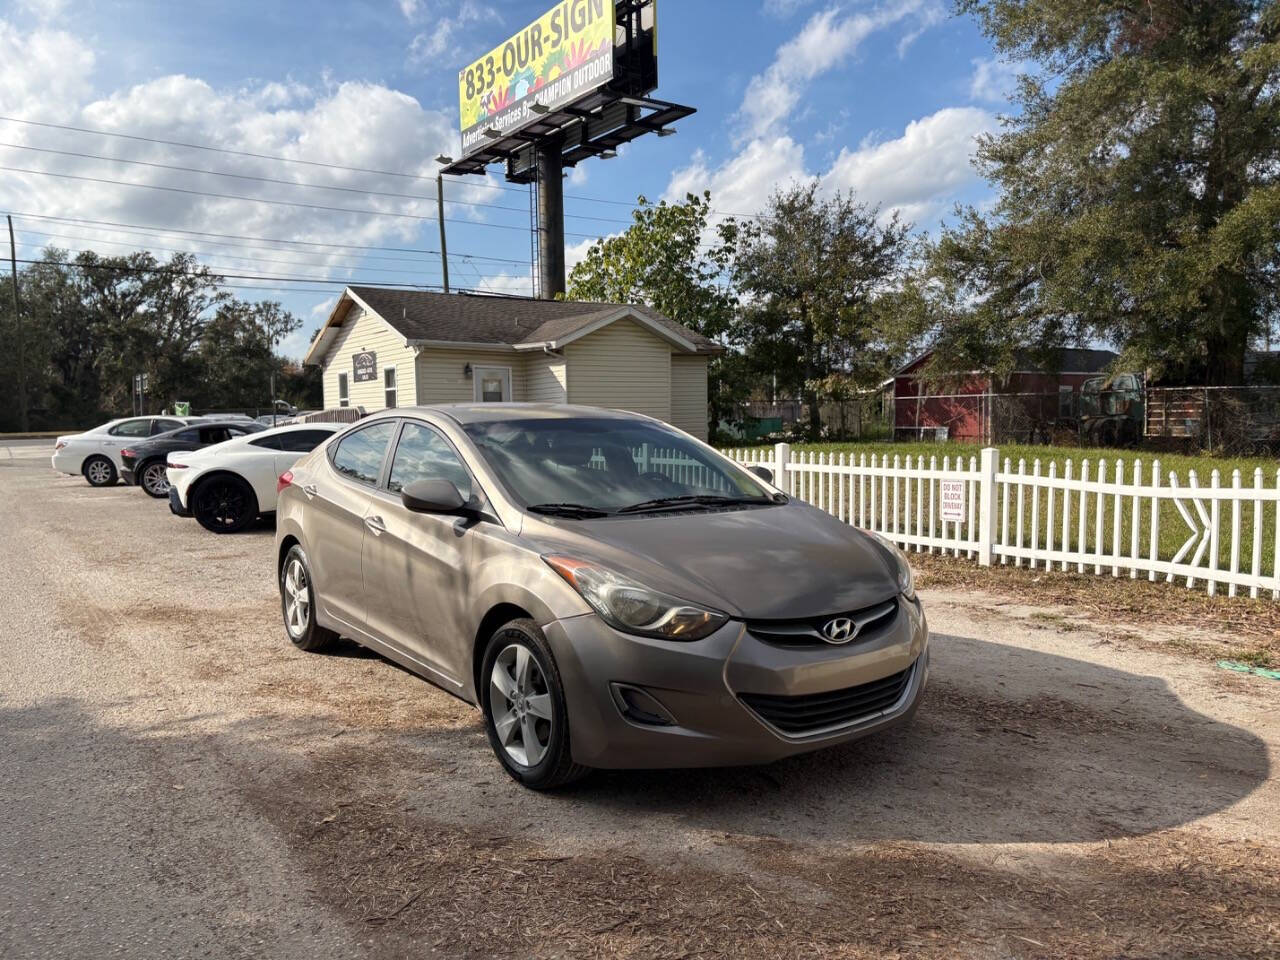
(811,712)
(871,621)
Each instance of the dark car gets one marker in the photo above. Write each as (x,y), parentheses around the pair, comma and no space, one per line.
(145,462)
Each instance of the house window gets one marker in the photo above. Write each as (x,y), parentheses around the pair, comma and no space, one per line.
(344,396)
(1066,401)
(389,385)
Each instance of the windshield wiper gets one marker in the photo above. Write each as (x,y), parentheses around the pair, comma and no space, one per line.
(572,511)
(694,500)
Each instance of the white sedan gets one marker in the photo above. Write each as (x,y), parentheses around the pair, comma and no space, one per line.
(95,454)
(228,485)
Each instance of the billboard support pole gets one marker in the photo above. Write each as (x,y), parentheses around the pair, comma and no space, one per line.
(550,162)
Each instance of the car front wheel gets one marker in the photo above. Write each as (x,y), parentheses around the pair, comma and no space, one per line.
(99,471)
(524,708)
(154,479)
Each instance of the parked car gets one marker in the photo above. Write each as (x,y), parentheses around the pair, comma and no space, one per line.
(95,454)
(609,591)
(144,464)
(226,487)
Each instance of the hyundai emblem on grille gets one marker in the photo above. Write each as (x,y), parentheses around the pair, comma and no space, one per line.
(839,630)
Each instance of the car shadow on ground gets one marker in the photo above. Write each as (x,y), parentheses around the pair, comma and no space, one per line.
(1010,745)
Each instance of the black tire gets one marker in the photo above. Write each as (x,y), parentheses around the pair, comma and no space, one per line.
(556,767)
(141,476)
(97,476)
(300,626)
(223,504)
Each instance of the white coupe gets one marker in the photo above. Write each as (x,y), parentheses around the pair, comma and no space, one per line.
(95,454)
(228,485)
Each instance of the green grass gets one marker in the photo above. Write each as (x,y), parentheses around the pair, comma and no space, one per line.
(1173,530)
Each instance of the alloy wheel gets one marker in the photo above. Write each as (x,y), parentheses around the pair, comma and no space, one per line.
(520,705)
(297,598)
(99,472)
(155,480)
(222,504)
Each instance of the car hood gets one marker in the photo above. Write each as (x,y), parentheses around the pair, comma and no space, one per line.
(761,563)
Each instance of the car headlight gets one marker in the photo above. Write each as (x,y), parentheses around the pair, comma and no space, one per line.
(906,578)
(632,607)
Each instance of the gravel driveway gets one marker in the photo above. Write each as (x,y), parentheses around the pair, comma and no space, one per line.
(177,781)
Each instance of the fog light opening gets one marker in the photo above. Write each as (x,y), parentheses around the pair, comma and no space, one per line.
(641,707)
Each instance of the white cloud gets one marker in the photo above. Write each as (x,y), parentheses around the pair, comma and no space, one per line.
(350,124)
(826,41)
(440,37)
(994,80)
(784,8)
(745,183)
(916,174)
(44,10)
(506,283)
(49,71)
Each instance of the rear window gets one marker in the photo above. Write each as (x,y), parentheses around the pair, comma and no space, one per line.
(359,455)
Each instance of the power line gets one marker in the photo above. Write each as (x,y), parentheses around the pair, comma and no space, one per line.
(289,183)
(144,229)
(318,163)
(169,271)
(278,203)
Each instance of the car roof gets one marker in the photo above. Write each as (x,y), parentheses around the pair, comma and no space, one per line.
(295,427)
(465,413)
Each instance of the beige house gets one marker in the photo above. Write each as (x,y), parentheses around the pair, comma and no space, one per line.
(386,348)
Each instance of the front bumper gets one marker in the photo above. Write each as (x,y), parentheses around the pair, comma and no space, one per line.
(700,686)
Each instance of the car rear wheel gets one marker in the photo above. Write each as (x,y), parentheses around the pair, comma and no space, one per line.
(99,471)
(524,708)
(297,603)
(224,504)
(154,479)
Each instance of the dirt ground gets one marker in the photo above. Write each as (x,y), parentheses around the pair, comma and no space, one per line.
(176,780)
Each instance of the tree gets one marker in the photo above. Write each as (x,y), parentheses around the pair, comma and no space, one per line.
(817,277)
(1139,187)
(665,260)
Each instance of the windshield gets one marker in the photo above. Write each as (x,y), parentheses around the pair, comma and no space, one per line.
(606,465)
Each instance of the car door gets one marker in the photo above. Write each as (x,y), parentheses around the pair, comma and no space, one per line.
(416,566)
(339,491)
(122,434)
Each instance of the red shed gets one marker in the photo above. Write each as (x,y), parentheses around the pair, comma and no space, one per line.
(973,406)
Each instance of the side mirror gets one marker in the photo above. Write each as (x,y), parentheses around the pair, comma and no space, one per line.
(764,473)
(432,496)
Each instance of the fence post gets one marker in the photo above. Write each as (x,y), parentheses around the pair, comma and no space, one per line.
(781,457)
(987,505)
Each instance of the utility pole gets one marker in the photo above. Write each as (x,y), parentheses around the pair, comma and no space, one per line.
(19,329)
(444,246)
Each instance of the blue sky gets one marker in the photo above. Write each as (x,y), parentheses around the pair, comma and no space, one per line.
(881,98)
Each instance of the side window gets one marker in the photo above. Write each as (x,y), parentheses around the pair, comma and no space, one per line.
(344,394)
(423,454)
(164,426)
(188,436)
(389,386)
(303,441)
(360,454)
(214,434)
(270,443)
(132,428)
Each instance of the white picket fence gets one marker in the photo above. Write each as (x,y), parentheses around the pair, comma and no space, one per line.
(1096,519)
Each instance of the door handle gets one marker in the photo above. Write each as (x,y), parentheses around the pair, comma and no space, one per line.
(310,489)
(376,525)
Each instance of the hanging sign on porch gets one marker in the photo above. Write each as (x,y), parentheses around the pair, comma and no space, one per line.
(952,495)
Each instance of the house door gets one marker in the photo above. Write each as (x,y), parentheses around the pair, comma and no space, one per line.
(493,384)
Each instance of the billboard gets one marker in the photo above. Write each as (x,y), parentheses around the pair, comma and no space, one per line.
(564,54)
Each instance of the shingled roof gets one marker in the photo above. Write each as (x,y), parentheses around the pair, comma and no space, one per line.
(517,322)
